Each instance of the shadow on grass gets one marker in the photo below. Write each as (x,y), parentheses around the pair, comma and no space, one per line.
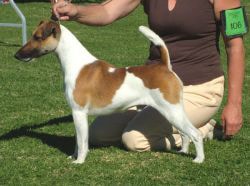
(64,143)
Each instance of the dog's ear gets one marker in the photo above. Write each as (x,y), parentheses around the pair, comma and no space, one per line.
(51,29)
(41,22)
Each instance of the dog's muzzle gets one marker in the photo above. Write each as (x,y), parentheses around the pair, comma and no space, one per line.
(19,57)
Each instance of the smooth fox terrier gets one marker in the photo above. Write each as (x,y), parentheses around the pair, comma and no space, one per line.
(95,87)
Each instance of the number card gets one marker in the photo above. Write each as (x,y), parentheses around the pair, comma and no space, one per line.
(234,22)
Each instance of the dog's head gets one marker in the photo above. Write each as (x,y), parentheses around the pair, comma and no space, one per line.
(43,41)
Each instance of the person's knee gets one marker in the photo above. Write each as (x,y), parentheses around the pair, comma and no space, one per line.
(135,141)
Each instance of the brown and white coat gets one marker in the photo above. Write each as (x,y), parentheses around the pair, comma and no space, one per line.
(94,86)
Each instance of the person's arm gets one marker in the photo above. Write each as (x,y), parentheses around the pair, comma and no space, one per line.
(94,14)
(232,113)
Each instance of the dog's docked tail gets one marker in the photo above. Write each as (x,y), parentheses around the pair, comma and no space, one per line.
(154,38)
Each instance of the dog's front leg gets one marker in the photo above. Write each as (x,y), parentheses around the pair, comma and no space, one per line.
(81,127)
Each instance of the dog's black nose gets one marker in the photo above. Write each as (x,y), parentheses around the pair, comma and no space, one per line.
(21,57)
(17,56)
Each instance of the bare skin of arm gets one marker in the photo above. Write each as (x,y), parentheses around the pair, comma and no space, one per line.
(232,113)
(94,14)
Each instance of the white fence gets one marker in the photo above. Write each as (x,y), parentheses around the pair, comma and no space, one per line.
(20,14)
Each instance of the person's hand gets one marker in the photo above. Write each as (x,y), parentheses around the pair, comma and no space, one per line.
(64,10)
(231,119)
(56,1)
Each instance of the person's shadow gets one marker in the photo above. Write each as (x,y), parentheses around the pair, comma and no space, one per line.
(65,144)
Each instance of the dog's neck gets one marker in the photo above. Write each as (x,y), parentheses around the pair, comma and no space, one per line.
(72,54)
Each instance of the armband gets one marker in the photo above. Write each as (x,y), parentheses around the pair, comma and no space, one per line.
(234,22)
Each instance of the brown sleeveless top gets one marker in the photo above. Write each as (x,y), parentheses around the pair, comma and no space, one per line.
(191,34)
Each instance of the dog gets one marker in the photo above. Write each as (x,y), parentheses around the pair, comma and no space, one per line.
(95,87)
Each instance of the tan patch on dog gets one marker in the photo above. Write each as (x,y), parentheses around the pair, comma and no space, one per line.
(158,76)
(164,54)
(96,85)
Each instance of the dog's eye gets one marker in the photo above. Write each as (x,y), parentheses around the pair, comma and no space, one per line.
(37,37)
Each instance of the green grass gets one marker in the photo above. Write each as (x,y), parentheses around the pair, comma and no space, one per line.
(37,132)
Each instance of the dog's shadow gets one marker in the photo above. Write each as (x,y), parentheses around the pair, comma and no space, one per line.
(65,144)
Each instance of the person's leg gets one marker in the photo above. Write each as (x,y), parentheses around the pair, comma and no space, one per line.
(107,130)
(149,130)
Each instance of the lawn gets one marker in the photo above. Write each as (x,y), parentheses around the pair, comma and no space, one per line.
(37,132)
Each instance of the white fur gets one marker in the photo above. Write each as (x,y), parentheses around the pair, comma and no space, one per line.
(111,70)
(156,40)
(74,57)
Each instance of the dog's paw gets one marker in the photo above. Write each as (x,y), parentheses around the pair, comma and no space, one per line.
(78,161)
(198,160)
(183,151)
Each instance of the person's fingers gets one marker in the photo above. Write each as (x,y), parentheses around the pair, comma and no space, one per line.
(233,128)
(56,1)
(54,11)
(223,123)
(59,8)
(64,18)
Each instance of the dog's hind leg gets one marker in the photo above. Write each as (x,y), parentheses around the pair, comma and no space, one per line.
(81,127)
(185,143)
(175,114)
(190,132)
